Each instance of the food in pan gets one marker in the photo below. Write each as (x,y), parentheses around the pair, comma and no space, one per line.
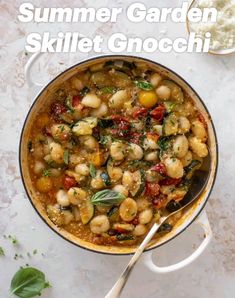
(115,149)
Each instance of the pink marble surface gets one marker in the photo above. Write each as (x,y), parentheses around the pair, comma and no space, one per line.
(74,272)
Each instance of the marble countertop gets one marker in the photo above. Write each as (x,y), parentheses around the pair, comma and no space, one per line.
(74,272)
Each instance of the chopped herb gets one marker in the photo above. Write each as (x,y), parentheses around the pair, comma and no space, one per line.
(103,140)
(47,173)
(68,103)
(84,91)
(61,127)
(163,143)
(2,253)
(29,254)
(35,251)
(108,90)
(13,239)
(92,170)
(142,84)
(66,157)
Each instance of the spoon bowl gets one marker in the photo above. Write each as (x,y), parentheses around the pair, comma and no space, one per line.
(197,186)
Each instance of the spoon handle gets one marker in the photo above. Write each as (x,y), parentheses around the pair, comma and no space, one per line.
(119,285)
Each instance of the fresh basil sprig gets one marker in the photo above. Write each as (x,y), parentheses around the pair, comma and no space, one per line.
(107,197)
(145,85)
(28,282)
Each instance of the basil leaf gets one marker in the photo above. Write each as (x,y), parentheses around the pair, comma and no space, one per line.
(92,170)
(66,157)
(107,197)
(145,85)
(28,282)
(108,90)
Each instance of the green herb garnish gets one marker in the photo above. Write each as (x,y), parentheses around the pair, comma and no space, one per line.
(68,103)
(107,197)
(46,173)
(142,84)
(2,253)
(28,282)
(66,157)
(92,170)
(13,239)
(108,90)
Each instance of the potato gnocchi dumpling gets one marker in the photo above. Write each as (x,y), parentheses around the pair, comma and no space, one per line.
(115,148)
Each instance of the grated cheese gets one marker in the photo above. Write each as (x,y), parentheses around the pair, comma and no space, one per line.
(223,30)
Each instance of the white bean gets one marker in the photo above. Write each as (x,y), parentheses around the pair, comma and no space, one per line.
(91,100)
(101,111)
(174,167)
(140,230)
(128,209)
(155,79)
(82,169)
(57,152)
(135,152)
(187,159)
(184,125)
(150,144)
(117,150)
(68,216)
(163,92)
(145,216)
(38,167)
(99,224)
(127,180)
(198,147)
(199,130)
(62,198)
(142,204)
(122,189)
(60,131)
(97,182)
(152,176)
(76,195)
(151,156)
(180,146)
(76,83)
(117,100)
(89,142)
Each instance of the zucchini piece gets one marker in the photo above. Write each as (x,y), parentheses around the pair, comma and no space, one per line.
(124,237)
(165,228)
(105,122)
(120,65)
(86,210)
(113,214)
(101,79)
(139,178)
(176,91)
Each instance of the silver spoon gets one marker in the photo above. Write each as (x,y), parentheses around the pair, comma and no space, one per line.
(198,184)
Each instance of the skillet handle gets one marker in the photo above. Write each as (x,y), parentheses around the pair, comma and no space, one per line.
(28,68)
(204,222)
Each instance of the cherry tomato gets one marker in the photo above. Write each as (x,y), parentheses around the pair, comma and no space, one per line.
(69,182)
(76,100)
(122,124)
(152,136)
(135,137)
(135,221)
(159,201)
(152,189)
(158,112)
(160,168)
(57,108)
(140,112)
(170,181)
